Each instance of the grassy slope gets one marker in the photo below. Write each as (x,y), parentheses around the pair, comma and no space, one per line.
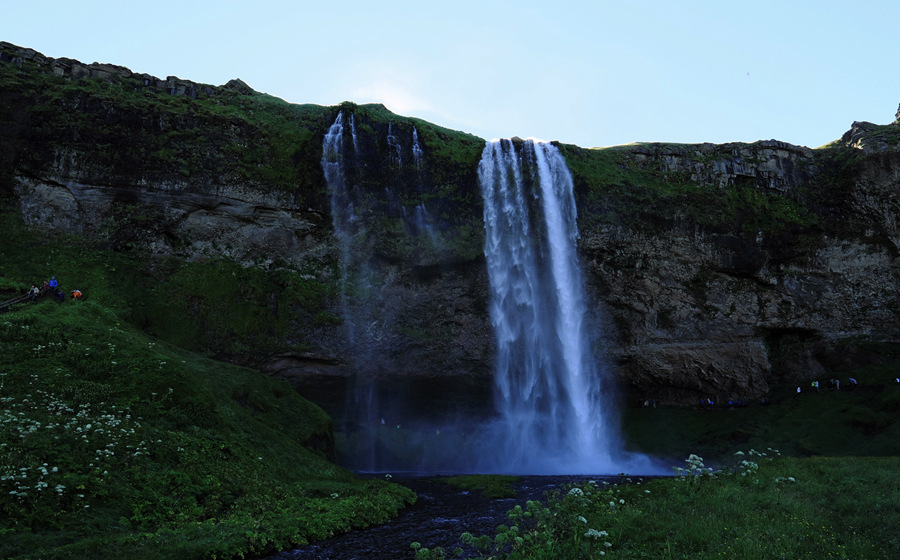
(115,444)
(232,310)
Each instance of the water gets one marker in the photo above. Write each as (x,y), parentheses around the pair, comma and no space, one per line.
(362,401)
(422,222)
(549,386)
(418,154)
(353,135)
(437,519)
(343,215)
(551,415)
(551,411)
(395,153)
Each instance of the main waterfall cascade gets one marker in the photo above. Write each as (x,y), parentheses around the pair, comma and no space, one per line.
(550,413)
(549,389)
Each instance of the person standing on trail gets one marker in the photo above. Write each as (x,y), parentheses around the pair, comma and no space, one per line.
(33,292)
(53,283)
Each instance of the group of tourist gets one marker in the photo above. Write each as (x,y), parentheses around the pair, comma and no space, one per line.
(833,385)
(732,403)
(51,287)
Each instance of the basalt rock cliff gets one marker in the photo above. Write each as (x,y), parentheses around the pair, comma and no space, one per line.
(717,271)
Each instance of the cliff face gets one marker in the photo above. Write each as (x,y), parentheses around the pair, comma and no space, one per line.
(719,269)
(200,172)
(770,289)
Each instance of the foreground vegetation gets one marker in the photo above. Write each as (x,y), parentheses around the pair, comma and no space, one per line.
(836,496)
(760,507)
(116,444)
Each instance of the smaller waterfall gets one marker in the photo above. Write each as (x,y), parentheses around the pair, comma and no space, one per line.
(353,134)
(394,149)
(417,152)
(361,398)
(342,211)
(423,222)
(332,165)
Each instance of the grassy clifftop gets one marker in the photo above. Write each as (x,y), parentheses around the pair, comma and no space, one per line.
(128,129)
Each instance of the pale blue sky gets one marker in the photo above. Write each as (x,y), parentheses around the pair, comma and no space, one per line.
(592,73)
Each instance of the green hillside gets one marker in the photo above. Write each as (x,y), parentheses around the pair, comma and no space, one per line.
(116,444)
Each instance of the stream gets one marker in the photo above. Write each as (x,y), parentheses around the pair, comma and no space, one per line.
(440,515)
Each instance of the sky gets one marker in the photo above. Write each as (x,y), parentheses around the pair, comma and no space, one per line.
(590,73)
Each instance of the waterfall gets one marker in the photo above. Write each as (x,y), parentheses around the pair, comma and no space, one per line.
(362,398)
(417,150)
(342,211)
(353,135)
(394,148)
(422,220)
(547,382)
(550,415)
